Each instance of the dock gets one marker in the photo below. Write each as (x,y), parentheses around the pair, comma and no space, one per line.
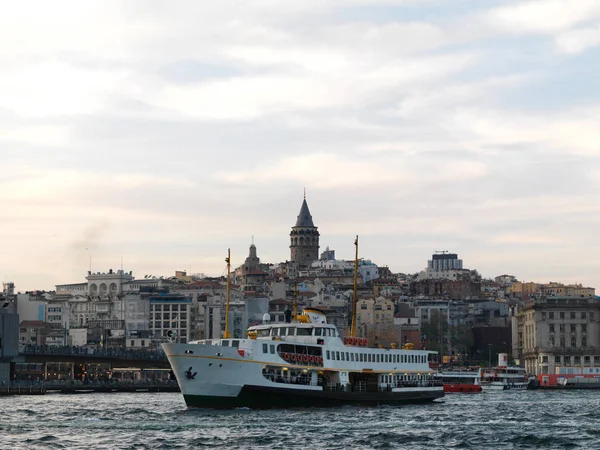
(70,387)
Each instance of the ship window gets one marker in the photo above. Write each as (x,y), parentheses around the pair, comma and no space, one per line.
(370,357)
(225,343)
(337,356)
(352,357)
(272,349)
(343,357)
(361,357)
(347,356)
(318,331)
(387,358)
(283,332)
(265,348)
(378,358)
(328,355)
(235,343)
(303,331)
(290,331)
(263,333)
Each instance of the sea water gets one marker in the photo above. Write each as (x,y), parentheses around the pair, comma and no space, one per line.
(501,420)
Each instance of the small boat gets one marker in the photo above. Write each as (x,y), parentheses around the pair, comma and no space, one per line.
(504,377)
(467,381)
(304,362)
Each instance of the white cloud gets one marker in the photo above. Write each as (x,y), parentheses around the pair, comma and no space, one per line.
(178,124)
(568,131)
(578,40)
(543,16)
(40,135)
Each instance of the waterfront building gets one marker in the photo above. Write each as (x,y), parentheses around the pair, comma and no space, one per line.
(33,332)
(375,311)
(32,305)
(451,312)
(553,333)
(304,238)
(170,312)
(9,331)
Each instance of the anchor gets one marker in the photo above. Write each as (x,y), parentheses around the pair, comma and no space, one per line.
(189,374)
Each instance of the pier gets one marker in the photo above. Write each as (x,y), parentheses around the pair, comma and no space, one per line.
(79,387)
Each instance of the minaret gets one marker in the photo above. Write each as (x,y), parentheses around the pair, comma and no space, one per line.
(304,238)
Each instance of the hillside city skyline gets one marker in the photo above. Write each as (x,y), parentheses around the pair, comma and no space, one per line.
(304,219)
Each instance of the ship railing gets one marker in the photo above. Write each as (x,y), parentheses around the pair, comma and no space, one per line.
(415,383)
(361,386)
(338,387)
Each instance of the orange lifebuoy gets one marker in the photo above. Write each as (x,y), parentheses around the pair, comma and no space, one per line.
(311,359)
(285,356)
(305,358)
(354,340)
(293,357)
(320,360)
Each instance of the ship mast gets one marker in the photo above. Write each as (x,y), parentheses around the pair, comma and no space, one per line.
(226,334)
(355,297)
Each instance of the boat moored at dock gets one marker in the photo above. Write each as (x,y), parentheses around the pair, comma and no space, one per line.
(467,381)
(504,377)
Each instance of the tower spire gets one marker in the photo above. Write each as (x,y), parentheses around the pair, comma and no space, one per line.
(304,193)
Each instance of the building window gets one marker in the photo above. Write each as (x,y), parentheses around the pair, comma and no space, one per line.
(578,360)
(583,328)
(572,314)
(573,328)
(551,326)
(562,327)
(562,315)
(265,348)
(586,359)
(591,316)
(544,359)
(584,341)
(583,315)
(551,315)
(551,342)
(573,342)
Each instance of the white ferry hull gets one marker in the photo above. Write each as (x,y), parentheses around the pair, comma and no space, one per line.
(219,377)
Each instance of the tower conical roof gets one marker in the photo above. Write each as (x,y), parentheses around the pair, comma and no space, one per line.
(304,218)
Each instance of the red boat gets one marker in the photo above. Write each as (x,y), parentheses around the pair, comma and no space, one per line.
(466,381)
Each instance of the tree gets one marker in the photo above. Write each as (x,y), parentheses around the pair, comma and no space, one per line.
(433,330)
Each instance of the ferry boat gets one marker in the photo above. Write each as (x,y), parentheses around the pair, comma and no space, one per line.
(468,381)
(305,362)
(504,377)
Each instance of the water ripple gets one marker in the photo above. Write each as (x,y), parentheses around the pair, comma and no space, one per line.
(532,419)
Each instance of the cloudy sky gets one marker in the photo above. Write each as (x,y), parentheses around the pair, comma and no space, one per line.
(166,132)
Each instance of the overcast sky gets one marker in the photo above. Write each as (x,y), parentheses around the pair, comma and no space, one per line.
(166,132)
